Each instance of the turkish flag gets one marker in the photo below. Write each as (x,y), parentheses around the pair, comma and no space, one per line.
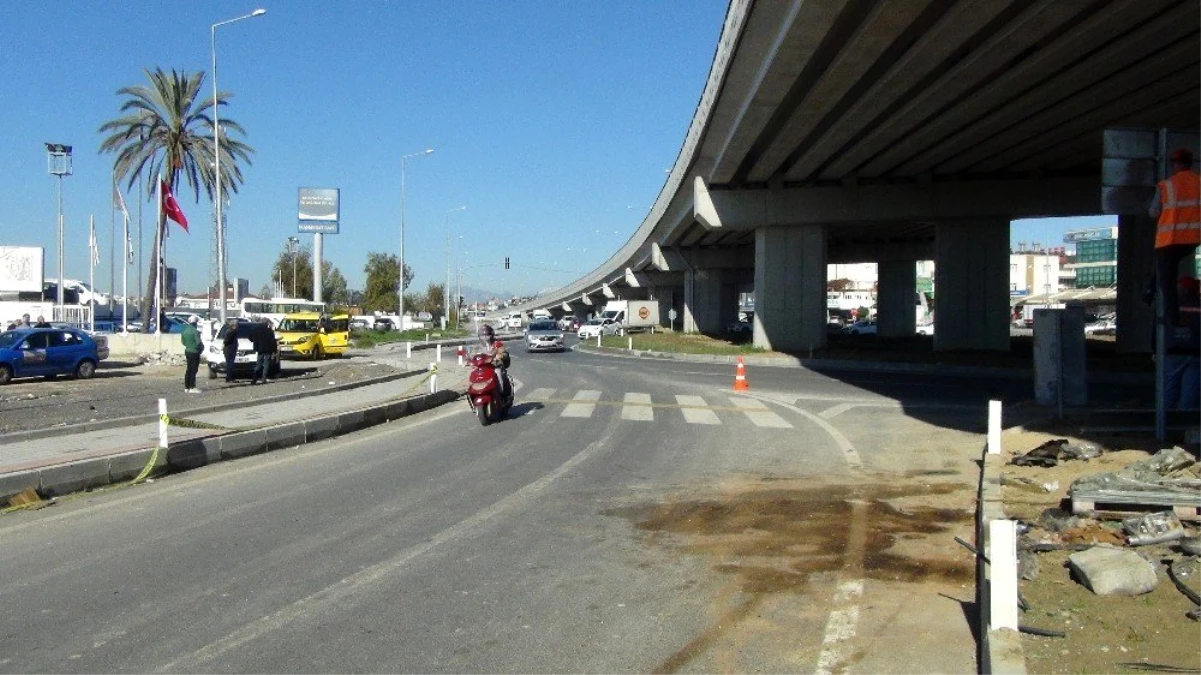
(171,207)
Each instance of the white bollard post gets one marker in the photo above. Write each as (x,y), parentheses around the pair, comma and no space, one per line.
(1003,574)
(434,378)
(630,344)
(598,338)
(438,353)
(994,427)
(408,350)
(460,359)
(162,423)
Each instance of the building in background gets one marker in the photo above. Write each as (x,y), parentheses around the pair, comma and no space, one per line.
(1095,264)
(1035,271)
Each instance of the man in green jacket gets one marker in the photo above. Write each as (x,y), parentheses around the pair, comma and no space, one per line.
(191,351)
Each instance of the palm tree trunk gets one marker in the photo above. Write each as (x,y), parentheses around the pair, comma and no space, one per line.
(152,282)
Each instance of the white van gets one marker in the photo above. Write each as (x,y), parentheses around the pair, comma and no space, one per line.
(513,320)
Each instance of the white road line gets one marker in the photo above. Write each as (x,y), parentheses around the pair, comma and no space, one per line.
(541,393)
(836,410)
(840,627)
(848,450)
(586,407)
(695,410)
(637,407)
(758,413)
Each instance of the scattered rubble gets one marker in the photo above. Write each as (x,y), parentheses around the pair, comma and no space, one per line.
(1113,571)
(1053,451)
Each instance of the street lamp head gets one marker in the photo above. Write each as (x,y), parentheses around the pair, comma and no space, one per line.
(428,151)
(258,12)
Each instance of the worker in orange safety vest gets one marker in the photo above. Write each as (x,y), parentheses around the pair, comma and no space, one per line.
(1177,205)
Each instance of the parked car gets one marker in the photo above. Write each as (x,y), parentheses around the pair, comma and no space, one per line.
(567,322)
(597,327)
(544,336)
(1108,326)
(741,326)
(384,323)
(49,352)
(861,328)
(244,361)
(926,329)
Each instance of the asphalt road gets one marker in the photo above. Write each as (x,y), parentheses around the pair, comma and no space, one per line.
(629,516)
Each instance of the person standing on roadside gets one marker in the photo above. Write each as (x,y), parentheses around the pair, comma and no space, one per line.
(191,351)
(229,345)
(42,322)
(265,347)
(1177,206)
(24,322)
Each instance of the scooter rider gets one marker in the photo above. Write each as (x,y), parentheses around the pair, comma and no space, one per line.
(500,356)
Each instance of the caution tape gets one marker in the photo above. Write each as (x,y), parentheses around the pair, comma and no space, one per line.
(191,424)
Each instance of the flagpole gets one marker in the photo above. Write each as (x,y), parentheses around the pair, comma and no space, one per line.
(158,263)
(93,253)
(125,254)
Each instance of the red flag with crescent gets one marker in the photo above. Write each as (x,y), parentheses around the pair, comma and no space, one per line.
(171,207)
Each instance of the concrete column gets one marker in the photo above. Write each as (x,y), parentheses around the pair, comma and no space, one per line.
(702,301)
(897,296)
(790,287)
(1136,269)
(972,285)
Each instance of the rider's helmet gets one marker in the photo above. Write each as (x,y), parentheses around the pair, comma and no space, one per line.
(487,334)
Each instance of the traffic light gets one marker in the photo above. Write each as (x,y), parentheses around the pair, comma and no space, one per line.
(506,262)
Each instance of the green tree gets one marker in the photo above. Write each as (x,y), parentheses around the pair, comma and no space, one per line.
(294,270)
(165,130)
(380,292)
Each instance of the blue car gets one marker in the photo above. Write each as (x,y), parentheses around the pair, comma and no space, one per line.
(49,352)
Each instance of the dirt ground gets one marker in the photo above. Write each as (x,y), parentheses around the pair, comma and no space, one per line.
(1103,634)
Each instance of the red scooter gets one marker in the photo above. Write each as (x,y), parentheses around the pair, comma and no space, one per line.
(488,400)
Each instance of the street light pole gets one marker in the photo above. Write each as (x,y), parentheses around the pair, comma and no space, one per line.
(294,244)
(217,161)
(59,164)
(446,290)
(400,281)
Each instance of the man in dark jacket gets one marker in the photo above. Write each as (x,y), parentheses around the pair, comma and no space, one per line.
(265,347)
(230,346)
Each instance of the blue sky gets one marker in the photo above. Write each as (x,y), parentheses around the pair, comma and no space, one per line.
(553,122)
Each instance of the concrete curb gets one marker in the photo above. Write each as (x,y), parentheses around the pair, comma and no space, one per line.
(84,427)
(784,361)
(86,474)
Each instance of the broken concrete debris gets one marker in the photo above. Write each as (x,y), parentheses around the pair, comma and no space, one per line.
(1112,571)
(1051,452)
(1153,528)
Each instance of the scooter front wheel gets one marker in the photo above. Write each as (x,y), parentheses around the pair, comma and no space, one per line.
(481,413)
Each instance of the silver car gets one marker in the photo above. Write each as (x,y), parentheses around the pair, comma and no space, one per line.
(544,336)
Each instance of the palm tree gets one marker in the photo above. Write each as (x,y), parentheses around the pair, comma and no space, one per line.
(165,131)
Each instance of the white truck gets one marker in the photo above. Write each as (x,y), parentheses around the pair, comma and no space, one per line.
(632,314)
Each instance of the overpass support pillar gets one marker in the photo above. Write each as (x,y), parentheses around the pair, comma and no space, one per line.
(790,287)
(703,301)
(1136,268)
(972,286)
(897,297)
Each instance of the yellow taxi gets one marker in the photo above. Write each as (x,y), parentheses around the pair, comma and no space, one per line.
(312,335)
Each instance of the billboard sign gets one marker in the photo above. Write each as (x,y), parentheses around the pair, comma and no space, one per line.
(319,210)
(21,268)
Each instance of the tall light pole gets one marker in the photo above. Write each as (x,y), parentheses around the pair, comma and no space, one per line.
(58,161)
(446,291)
(294,244)
(217,161)
(400,281)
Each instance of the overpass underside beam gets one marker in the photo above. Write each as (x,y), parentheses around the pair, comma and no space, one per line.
(972,287)
(790,288)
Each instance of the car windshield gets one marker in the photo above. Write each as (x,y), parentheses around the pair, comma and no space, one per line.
(594,322)
(543,325)
(225,329)
(8,339)
(299,325)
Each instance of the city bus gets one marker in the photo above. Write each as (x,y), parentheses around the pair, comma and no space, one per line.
(275,308)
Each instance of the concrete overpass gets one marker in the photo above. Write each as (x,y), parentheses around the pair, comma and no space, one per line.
(892,131)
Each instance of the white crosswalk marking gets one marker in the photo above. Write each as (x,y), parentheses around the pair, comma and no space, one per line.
(637,407)
(541,394)
(695,410)
(587,405)
(759,414)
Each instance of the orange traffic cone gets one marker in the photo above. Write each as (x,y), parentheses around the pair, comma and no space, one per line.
(740,376)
